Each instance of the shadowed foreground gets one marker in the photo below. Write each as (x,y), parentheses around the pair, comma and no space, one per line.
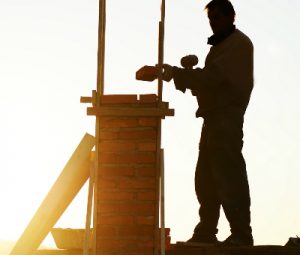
(185,250)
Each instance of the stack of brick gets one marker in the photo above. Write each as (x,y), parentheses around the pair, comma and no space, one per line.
(128,172)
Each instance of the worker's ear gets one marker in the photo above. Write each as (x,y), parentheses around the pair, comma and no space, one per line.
(232,18)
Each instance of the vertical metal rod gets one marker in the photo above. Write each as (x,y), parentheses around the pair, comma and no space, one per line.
(161,49)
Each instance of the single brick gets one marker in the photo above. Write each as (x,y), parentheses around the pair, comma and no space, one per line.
(143,209)
(116,245)
(141,230)
(148,122)
(145,220)
(108,207)
(117,220)
(147,146)
(116,170)
(145,171)
(147,196)
(108,135)
(145,244)
(148,98)
(127,158)
(147,73)
(118,123)
(106,184)
(118,99)
(148,183)
(148,134)
(106,231)
(116,146)
(139,251)
(115,196)
(101,251)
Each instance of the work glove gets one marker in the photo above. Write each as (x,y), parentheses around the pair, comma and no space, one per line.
(167,74)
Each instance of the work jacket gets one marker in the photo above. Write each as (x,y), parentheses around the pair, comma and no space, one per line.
(226,81)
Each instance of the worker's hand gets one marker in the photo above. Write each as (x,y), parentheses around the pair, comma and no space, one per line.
(194,92)
(167,74)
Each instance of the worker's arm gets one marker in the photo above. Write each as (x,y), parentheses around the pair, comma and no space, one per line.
(197,79)
(232,69)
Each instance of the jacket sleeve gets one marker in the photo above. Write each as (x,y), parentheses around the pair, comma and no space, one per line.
(232,69)
(197,79)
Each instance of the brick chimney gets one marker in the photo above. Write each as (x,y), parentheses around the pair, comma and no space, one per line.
(127,196)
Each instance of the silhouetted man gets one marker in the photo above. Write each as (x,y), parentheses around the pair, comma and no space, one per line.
(223,89)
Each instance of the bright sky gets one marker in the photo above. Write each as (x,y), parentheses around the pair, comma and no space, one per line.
(48,55)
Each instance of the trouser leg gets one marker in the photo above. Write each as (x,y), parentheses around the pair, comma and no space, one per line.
(206,192)
(225,142)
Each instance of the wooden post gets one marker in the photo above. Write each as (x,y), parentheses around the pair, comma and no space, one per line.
(161,50)
(160,91)
(86,247)
(162,205)
(101,48)
(99,93)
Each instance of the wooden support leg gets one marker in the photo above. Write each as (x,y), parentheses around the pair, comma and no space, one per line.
(86,247)
(66,187)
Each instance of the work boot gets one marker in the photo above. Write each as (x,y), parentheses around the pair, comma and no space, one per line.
(201,240)
(241,231)
(235,240)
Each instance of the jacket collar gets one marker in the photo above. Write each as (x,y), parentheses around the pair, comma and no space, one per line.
(216,39)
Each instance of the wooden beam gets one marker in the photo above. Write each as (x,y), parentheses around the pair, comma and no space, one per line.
(242,250)
(123,111)
(86,100)
(72,178)
(58,252)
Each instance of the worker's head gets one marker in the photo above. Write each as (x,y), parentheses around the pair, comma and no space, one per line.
(221,15)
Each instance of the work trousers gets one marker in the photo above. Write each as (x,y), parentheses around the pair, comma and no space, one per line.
(221,178)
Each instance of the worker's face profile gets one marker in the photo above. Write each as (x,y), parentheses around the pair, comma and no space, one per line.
(218,21)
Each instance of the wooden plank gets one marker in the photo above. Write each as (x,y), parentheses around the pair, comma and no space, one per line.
(118,111)
(57,252)
(243,250)
(66,187)
(118,99)
(86,100)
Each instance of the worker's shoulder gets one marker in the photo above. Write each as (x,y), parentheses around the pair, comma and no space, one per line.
(242,38)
